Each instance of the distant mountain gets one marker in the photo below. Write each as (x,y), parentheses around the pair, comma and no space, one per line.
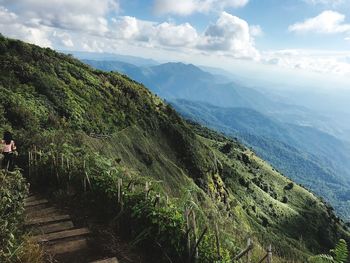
(294,138)
(186,81)
(307,155)
(137,61)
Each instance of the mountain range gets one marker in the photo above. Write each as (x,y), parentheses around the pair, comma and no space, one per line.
(122,130)
(300,142)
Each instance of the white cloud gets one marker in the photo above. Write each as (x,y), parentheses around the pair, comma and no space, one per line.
(256,31)
(64,38)
(66,14)
(61,24)
(325,2)
(126,27)
(11,25)
(156,34)
(230,34)
(173,35)
(328,22)
(187,7)
(316,61)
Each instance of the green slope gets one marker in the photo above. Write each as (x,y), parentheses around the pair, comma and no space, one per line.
(49,99)
(310,157)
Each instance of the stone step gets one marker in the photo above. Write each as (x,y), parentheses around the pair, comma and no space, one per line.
(61,235)
(35,202)
(107,260)
(54,227)
(46,220)
(42,212)
(67,247)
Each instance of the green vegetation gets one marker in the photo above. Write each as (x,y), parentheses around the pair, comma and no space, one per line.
(91,128)
(308,156)
(13,189)
(339,254)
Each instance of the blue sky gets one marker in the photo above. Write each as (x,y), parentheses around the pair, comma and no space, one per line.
(274,17)
(307,35)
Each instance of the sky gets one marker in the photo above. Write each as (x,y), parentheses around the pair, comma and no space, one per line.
(302,35)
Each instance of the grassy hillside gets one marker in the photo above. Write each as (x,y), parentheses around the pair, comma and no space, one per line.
(308,156)
(59,104)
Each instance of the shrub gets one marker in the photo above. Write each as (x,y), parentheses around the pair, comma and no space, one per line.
(289,186)
(13,190)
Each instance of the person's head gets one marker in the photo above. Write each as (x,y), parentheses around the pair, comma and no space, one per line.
(7,137)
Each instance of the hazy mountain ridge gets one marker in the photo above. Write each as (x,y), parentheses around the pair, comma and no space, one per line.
(261,116)
(300,152)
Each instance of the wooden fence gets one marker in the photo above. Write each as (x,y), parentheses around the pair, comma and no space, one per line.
(193,236)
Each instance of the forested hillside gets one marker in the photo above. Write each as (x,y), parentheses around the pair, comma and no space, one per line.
(302,143)
(302,153)
(110,127)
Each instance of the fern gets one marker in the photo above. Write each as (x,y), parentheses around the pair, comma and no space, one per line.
(340,253)
(321,259)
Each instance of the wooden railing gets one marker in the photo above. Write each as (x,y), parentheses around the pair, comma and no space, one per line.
(193,237)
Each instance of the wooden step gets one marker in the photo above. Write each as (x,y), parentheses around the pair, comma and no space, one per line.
(61,235)
(32,198)
(67,247)
(55,227)
(46,220)
(42,212)
(31,209)
(107,260)
(35,203)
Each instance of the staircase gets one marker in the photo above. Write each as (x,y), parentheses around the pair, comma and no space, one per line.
(55,232)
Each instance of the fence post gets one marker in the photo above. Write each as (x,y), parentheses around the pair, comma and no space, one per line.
(166,199)
(156,200)
(217,239)
(187,214)
(84,180)
(146,189)
(29,163)
(269,254)
(35,157)
(194,226)
(119,187)
(249,254)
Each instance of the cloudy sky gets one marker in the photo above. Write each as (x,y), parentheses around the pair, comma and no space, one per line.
(308,35)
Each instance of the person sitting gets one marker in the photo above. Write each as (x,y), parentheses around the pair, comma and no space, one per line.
(8,150)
